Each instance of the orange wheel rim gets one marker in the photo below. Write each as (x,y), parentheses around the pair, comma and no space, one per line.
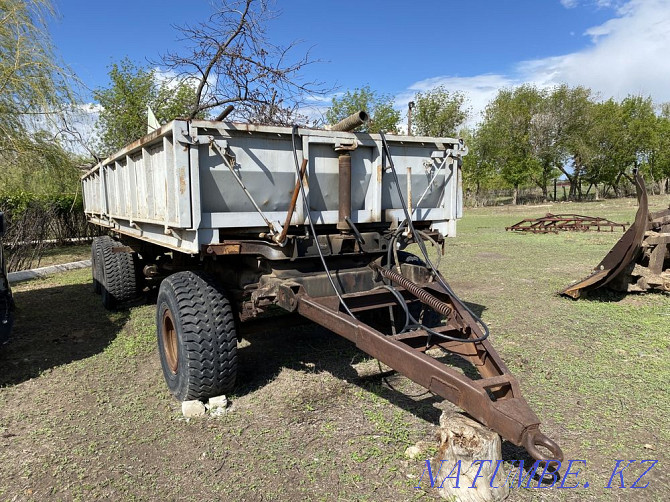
(169,335)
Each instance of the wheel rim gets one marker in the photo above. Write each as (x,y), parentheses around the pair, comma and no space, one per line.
(169,335)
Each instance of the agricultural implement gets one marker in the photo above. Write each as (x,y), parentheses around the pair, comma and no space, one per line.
(640,260)
(233,221)
(554,223)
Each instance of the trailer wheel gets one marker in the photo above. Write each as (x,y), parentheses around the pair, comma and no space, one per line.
(197,341)
(6,316)
(119,278)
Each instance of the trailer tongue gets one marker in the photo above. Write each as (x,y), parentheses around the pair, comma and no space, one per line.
(494,399)
(230,224)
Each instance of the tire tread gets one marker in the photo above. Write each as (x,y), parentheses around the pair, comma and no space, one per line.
(209,338)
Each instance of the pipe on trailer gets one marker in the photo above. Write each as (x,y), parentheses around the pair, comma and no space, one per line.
(226,111)
(351,122)
(344,191)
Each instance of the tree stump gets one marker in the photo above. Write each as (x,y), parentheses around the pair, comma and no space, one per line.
(462,439)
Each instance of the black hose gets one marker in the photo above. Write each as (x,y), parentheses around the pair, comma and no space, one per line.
(401,301)
(311,224)
(417,238)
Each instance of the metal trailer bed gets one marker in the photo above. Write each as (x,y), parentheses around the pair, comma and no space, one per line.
(214,214)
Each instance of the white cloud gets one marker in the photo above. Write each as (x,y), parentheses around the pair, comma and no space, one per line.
(479,90)
(569,4)
(628,54)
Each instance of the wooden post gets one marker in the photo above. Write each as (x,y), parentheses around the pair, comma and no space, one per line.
(464,440)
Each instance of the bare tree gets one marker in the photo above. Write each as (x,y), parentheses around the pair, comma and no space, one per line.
(234,62)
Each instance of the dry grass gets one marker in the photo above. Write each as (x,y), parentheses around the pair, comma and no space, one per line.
(84,413)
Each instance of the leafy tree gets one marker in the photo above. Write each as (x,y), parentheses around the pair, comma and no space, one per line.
(571,112)
(34,88)
(622,136)
(438,112)
(505,135)
(132,89)
(478,172)
(44,168)
(559,127)
(602,153)
(383,117)
(660,159)
(639,124)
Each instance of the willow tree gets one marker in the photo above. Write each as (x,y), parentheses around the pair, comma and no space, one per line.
(34,88)
(35,95)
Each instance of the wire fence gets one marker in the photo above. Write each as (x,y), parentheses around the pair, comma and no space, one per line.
(38,225)
(534,195)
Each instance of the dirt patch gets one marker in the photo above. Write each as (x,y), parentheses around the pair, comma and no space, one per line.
(85,414)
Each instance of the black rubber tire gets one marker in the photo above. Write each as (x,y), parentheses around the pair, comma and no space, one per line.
(6,316)
(199,353)
(119,277)
(410,259)
(96,270)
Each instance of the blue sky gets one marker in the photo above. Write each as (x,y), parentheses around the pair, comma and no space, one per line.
(397,47)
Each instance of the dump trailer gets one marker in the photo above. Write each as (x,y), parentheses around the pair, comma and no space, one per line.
(6,300)
(235,222)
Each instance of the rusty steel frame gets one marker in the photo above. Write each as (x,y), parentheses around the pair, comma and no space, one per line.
(622,254)
(495,399)
(563,222)
(647,241)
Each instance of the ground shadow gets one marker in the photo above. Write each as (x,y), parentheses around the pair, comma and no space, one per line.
(55,326)
(310,347)
(477,309)
(603,295)
(520,458)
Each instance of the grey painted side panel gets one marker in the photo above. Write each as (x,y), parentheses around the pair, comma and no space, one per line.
(176,187)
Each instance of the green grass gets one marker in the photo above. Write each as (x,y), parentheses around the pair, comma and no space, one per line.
(84,413)
(58,255)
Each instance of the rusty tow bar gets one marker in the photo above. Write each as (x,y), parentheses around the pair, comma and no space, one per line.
(494,399)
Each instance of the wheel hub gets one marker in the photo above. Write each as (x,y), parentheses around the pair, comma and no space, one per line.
(169,335)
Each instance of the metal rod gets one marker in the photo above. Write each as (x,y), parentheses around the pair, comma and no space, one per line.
(409,189)
(241,183)
(351,122)
(279,239)
(510,415)
(432,180)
